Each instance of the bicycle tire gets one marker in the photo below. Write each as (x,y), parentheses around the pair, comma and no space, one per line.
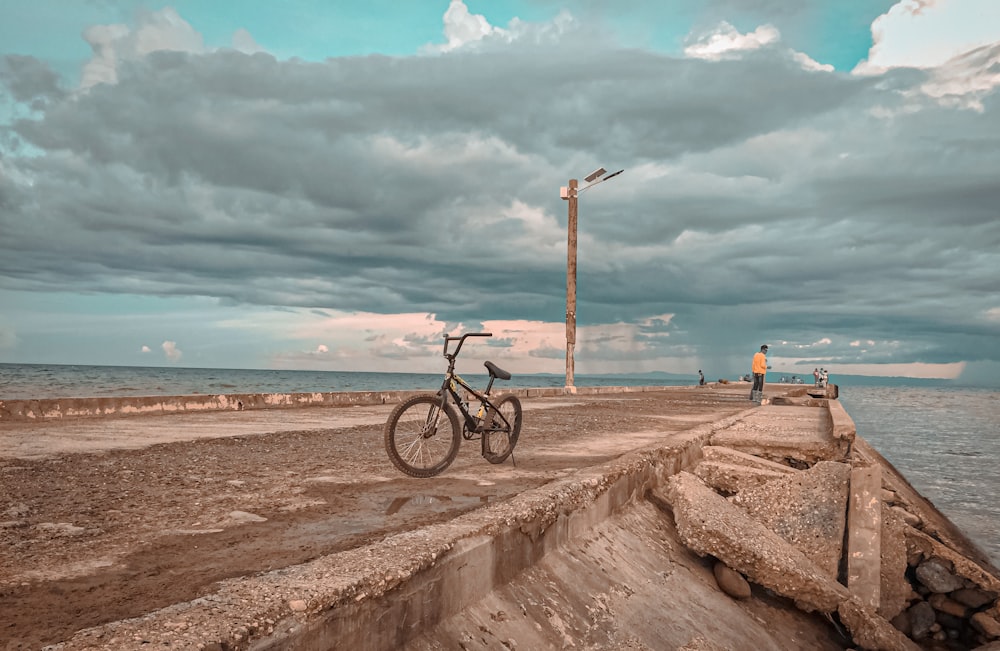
(414,450)
(499,440)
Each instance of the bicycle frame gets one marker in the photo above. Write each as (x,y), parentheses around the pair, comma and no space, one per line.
(484,419)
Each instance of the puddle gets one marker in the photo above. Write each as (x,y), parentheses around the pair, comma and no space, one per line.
(436,503)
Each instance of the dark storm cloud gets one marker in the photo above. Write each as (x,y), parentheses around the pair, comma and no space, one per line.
(761,199)
(28,80)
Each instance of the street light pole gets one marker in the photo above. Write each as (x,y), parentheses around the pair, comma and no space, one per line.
(571,285)
(570,194)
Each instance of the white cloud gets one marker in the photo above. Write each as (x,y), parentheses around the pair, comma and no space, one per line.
(951,38)
(171,350)
(808,63)
(928,33)
(462,27)
(322,348)
(144,349)
(725,41)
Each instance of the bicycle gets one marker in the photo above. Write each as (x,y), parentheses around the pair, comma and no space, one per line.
(422,435)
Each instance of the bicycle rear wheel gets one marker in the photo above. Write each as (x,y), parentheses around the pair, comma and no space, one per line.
(421,438)
(500,439)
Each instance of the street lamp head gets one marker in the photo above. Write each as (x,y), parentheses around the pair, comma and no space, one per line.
(595,174)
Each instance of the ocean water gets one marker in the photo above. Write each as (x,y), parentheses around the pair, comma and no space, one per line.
(944,439)
(39,381)
(945,442)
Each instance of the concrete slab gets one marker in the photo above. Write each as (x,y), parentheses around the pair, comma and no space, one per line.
(802,435)
(730,478)
(894,590)
(710,524)
(864,535)
(735,457)
(807,509)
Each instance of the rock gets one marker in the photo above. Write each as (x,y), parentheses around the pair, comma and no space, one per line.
(242,517)
(902,622)
(943,604)
(730,581)
(297,605)
(906,516)
(937,577)
(985,624)
(922,617)
(972,597)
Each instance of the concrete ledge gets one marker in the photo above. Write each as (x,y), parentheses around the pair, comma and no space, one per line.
(843,425)
(56,408)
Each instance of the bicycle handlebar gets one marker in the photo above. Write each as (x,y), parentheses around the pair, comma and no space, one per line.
(461,340)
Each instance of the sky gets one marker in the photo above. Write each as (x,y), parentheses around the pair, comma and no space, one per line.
(333,186)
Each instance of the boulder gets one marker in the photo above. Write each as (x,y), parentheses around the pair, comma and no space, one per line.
(937,576)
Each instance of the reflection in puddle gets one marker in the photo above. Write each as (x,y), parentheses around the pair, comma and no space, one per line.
(434,502)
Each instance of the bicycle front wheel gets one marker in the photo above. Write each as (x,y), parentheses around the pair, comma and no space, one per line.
(500,439)
(421,437)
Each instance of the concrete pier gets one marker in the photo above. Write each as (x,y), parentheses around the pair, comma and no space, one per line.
(621,553)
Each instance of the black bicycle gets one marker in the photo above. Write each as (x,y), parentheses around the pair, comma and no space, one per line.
(422,434)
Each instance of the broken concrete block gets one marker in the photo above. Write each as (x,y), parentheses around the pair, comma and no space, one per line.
(710,525)
(870,631)
(729,455)
(807,509)
(864,535)
(895,590)
(729,478)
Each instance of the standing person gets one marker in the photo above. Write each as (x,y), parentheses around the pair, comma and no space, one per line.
(701,378)
(816,377)
(759,369)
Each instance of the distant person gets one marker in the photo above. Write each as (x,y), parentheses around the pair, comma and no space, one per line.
(701,378)
(824,377)
(759,368)
(816,376)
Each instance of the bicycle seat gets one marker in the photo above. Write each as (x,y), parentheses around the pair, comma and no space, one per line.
(496,371)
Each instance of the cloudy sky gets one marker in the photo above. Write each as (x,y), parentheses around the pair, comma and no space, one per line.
(332,185)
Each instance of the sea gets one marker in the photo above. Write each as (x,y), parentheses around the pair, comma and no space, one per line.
(945,439)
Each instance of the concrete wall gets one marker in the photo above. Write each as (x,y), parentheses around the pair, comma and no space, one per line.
(54,408)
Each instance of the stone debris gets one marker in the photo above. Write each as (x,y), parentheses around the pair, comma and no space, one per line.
(784,530)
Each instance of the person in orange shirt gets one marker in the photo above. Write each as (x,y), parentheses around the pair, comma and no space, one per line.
(759,370)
